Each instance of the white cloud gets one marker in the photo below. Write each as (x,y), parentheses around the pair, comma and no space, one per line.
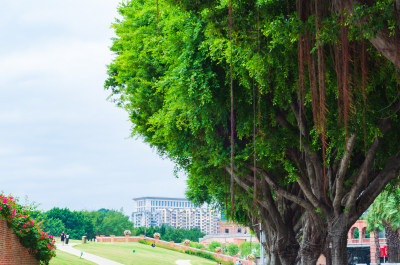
(61,142)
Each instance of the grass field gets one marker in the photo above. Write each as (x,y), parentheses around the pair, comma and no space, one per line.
(64,258)
(144,254)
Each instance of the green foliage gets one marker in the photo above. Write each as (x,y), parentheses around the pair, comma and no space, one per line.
(145,242)
(175,83)
(213,245)
(385,210)
(54,226)
(29,231)
(189,251)
(247,248)
(232,249)
(80,223)
(168,233)
(196,245)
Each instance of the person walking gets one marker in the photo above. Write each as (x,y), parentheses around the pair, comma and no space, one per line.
(62,237)
(66,239)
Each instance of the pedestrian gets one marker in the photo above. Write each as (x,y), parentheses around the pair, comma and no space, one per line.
(62,237)
(66,239)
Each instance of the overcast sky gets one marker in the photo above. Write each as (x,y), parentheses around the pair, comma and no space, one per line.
(62,143)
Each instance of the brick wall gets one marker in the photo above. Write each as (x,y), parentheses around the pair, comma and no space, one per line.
(112,239)
(11,250)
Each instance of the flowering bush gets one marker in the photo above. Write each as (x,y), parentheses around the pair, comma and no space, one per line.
(31,236)
(250,257)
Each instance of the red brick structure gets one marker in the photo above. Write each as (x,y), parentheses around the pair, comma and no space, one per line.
(11,250)
(361,225)
(111,239)
(362,240)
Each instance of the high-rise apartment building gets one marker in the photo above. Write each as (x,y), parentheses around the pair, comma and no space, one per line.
(175,212)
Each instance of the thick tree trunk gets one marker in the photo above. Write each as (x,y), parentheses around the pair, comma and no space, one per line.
(377,247)
(270,252)
(314,239)
(393,244)
(339,248)
(288,249)
(327,254)
(272,258)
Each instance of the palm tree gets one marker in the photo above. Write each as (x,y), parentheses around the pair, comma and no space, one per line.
(384,213)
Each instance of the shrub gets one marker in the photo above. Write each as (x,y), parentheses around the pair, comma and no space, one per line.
(206,255)
(145,242)
(196,245)
(233,249)
(213,245)
(29,232)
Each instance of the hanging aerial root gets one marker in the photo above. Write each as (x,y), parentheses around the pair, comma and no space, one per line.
(346,77)
(232,112)
(322,101)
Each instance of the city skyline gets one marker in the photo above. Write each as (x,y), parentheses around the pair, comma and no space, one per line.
(175,212)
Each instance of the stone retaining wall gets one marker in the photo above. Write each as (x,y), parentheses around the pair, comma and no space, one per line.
(11,250)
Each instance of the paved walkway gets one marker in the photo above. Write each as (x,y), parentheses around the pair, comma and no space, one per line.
(96,259)
(183,262)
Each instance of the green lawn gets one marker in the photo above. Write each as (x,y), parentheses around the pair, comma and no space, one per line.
(64,258)
(144,254)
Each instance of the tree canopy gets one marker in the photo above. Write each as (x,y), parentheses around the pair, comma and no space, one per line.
(384,214)
(316,101)
(85,223)
(168,233)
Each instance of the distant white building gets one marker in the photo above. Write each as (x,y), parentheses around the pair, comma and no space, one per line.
(175,212)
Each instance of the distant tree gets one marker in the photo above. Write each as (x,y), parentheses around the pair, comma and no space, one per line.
(115,223)
(53,226)
(232,249)
(74,221)
(87,223)
(247,248)
(213,245)
(384,213)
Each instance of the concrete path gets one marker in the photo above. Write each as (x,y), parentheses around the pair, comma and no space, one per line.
(96,259)
(183,262)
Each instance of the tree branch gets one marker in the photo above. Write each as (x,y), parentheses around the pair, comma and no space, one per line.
(284,193)
(342,172)
(375,187)
(363,172)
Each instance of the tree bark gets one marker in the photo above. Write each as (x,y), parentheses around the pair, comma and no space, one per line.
(314,239)
(288,250)
(377,246)
(339,248)
(272,259)
(393,244)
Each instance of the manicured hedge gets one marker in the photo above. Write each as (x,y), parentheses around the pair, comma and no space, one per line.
(190,252)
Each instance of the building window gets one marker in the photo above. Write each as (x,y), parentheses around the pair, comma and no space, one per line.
(226,231)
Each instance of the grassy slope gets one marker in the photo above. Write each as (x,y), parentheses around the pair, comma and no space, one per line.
(64,258)
(144,255)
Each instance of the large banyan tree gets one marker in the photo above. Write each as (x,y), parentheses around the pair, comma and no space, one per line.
(285,113)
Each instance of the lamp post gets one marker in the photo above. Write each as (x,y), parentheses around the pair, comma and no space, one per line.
(261,246)
(261,241)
